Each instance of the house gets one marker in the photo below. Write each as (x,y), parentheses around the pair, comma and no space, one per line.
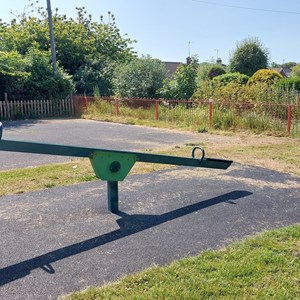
(172,67)
(285,72)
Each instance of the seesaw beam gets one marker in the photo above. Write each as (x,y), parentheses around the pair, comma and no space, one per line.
(112,165)
(62,150)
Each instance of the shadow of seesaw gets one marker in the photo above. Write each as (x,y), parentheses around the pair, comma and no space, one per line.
(129,224)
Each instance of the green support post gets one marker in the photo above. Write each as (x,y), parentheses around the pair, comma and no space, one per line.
(113,196)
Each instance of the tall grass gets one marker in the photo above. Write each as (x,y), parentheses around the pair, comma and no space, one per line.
(259,117)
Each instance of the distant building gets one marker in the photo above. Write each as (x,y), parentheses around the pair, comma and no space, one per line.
(172,66)
(284,72)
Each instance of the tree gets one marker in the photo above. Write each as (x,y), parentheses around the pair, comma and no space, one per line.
(86,49)
(140,78)
(203,70)
(95,74)
(182,84)
(289,65)
(31,77)
(41,84)
(249,56)
(12,72)
(296,71)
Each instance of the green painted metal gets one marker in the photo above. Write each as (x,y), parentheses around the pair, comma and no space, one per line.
(52,149)
(113,196)
(112,166)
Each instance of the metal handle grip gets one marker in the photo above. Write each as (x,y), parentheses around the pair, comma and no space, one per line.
(202,153)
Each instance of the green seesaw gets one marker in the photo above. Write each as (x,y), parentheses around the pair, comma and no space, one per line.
(112,165)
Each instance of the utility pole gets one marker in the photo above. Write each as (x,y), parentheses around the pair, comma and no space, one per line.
(53,52)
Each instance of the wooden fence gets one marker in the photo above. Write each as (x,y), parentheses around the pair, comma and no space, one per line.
(24,109)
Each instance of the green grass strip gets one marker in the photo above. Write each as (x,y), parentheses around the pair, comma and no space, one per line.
(36,178)
(266,266)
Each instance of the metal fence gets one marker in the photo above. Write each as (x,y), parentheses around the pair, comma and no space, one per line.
(276,117)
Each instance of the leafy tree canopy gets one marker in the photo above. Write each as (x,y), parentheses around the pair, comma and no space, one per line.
(86,49)
(249,56)
(182,84)
(41,84)
(140,78)
(203,70)
(283,65)
(12,72)
(296,71)
(76,39)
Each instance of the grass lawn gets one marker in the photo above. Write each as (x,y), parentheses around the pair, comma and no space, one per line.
(266,266)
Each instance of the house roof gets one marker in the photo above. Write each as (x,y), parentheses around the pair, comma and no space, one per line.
(285,72)
(172,66)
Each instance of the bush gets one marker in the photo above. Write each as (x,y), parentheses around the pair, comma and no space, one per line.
(231,77)
(289,83)
(266,76)
(41,84)
(182,84)
(139,78)
(215,71)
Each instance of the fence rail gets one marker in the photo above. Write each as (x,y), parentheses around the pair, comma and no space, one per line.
(36,108)
(202,113)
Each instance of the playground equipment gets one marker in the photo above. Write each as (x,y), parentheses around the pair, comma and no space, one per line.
(112,165)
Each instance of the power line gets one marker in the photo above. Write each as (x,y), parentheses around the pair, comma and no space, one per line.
(250,8)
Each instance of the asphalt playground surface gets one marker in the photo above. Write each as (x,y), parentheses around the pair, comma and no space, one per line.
(64,239)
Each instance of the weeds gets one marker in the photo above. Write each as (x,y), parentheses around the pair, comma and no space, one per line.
(271,118)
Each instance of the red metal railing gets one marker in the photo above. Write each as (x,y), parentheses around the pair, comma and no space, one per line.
(223,115)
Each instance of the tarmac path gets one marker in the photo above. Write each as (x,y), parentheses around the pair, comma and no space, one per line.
(87,133)
(63,239)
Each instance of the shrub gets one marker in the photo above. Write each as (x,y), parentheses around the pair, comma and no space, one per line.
(296,71)
(235,77)
(266,76)
(140,78)
(289,83)
(215,71)
(182,84)
(41,84)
